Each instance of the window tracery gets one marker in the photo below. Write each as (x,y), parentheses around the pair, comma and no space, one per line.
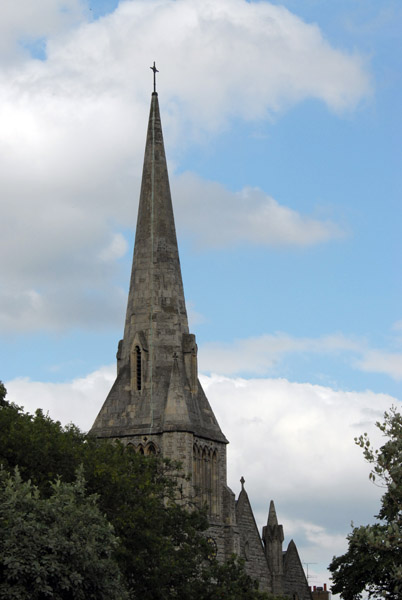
(205,476)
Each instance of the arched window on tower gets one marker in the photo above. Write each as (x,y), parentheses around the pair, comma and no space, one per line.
(205,478)
(214,483)
(150,449)
(138,369)
(197,473)
(209,480)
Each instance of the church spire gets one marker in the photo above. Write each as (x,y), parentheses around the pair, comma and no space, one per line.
(156,303)
(157,388)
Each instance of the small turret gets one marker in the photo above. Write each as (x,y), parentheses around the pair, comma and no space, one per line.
(272,536)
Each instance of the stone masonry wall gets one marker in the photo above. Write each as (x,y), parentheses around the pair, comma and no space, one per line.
(251,548)
(295,582)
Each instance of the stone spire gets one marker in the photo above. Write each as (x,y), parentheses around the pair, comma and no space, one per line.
(273,531)
(272,521)
(155,304)
(157,388)
(272,536)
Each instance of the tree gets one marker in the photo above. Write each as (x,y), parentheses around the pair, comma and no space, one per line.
(163,551)
(59,547)
(3,393)
(373,562)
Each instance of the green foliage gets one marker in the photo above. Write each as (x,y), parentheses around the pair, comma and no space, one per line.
(373,562)
(227,581)
(163,552)
(42,448)
(58,547)
(3,393)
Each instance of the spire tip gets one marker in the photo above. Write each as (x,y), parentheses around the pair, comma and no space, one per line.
(155,70)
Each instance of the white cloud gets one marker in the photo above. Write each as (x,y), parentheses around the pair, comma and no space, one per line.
(76,401)
(397,326)
(292,442)
(23,21)
(117,248)
(56,309)
(261,355)
(217,217)
(73,129)
(377,361)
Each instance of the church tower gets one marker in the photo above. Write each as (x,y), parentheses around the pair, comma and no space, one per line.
(157,404)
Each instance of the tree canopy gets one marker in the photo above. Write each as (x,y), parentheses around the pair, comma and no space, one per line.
(58,547)
(159,547)
(373,561)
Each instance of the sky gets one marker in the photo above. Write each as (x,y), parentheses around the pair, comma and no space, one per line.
(282,129)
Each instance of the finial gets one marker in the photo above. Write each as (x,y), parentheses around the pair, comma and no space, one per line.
(242,481)
(155,70)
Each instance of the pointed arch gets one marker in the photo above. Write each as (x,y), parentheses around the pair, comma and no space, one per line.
(140,449)
(204,474)
(197,473)
(195,468)
(214,483)
(150,449)
(136,366)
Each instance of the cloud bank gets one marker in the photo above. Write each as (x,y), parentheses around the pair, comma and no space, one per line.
(73,129)
(219,218)
(263,354)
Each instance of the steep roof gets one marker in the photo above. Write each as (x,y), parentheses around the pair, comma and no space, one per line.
(169,396)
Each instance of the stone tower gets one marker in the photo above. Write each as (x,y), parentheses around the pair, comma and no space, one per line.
(157,403)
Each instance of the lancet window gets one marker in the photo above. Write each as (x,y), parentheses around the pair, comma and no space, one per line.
(205,477)
(150,449)
(138,367)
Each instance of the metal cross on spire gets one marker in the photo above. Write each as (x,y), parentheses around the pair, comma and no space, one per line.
(155,70)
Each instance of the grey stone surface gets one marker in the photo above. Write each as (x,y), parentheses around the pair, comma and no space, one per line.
(251,547)
(295,583)
(169,396)
(157,403)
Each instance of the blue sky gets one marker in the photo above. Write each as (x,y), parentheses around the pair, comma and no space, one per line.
(282,128)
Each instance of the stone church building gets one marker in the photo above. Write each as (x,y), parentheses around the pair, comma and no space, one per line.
(157,403)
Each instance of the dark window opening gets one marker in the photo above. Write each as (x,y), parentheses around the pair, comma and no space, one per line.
(151,449)
(138,366)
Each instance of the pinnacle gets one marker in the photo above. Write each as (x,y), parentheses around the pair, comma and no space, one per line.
(272,518)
